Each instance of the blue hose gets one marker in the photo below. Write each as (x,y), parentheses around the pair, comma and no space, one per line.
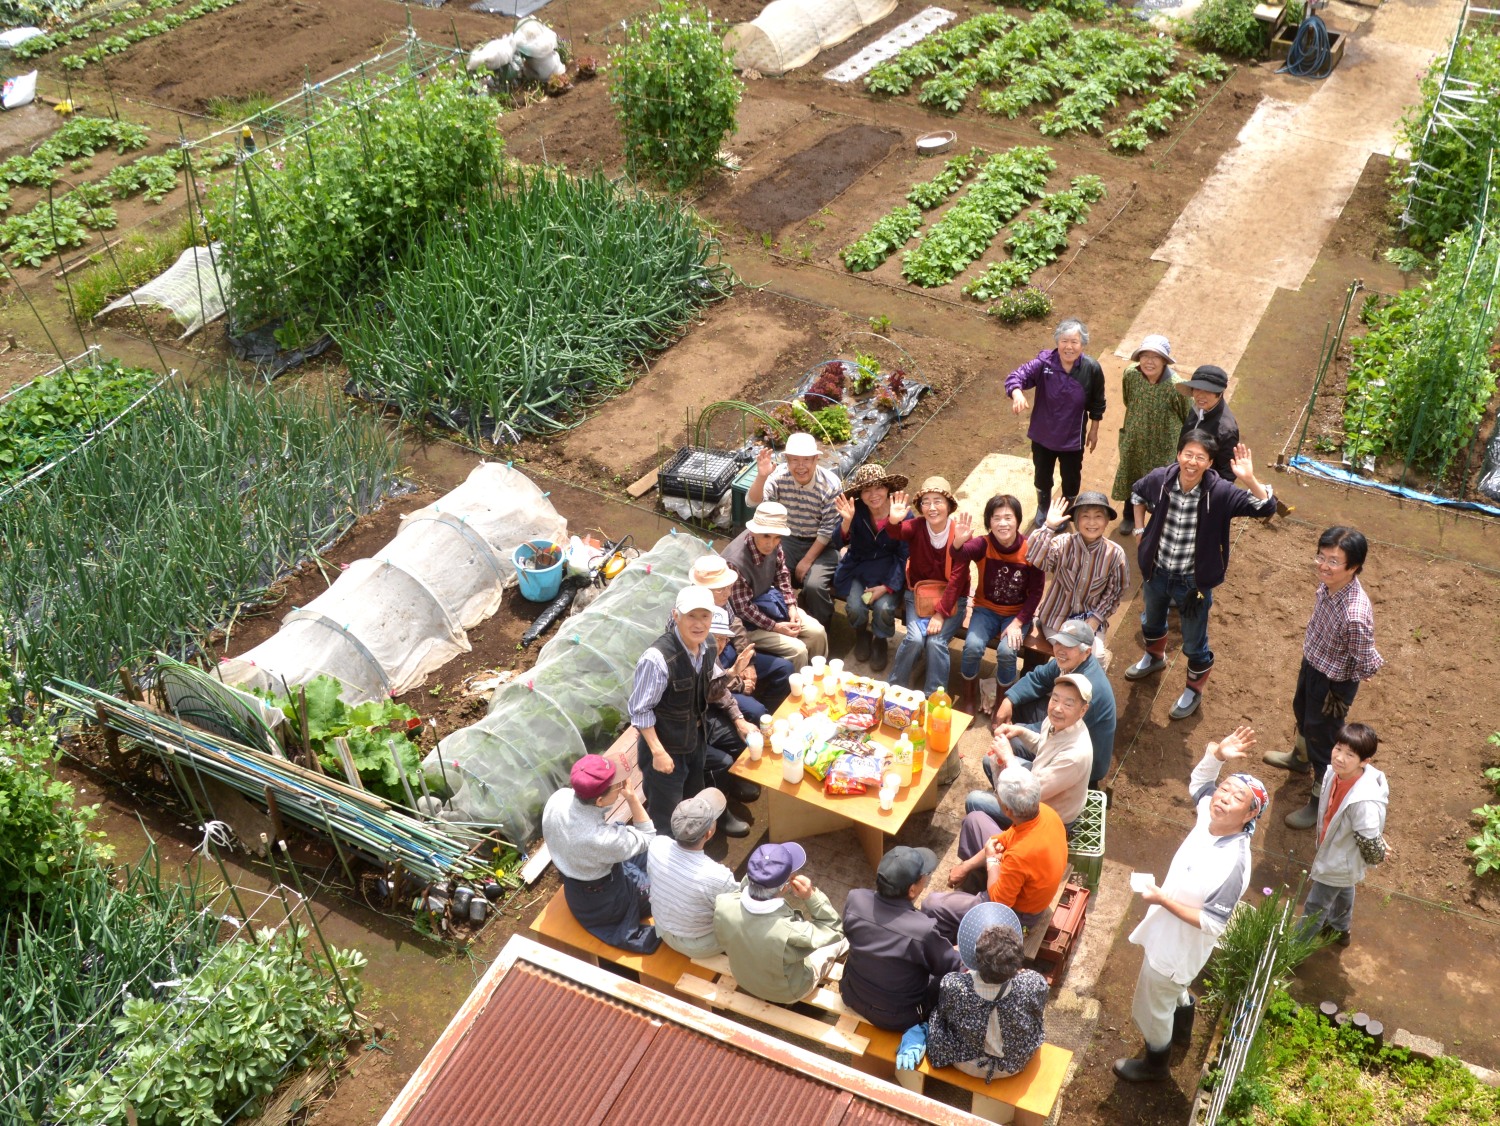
(1310,56)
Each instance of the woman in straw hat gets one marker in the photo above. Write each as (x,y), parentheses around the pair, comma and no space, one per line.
(1154,414)
(937,594)
(871,577)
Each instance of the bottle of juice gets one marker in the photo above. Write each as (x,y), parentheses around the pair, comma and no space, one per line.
(918,736)
(901,759)
(939,722)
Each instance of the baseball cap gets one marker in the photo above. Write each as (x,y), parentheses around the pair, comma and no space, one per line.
(902,867)
(978,919)
(691,598)
(591,776)
(694,816)
(1079,681)
(1072,634)
(772,865)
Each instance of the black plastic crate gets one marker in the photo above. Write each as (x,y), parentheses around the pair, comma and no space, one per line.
(694,474)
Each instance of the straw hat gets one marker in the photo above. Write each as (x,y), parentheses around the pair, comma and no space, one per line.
(770,519)
(869,475)
(938,485)
(713,572)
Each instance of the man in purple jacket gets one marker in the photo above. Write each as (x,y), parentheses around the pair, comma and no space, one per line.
(1184,551)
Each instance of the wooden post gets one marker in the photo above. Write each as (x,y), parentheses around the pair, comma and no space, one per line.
(111,736)
(277,831)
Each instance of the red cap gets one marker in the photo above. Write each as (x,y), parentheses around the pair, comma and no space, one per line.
(591,776)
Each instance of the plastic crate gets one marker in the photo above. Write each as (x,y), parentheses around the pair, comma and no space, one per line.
(740,507)
(1086,846)
(695,474)
(1063,933)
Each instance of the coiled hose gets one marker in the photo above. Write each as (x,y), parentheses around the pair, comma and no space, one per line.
(1310,56)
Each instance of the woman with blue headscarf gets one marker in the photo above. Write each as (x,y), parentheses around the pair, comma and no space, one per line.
(1191,907)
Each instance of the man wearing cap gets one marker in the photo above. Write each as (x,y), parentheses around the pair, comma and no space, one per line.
(759,681)
(1184,552)
(1058,752)
(1191,907)
(1210,414)
(601,861)
(1021,867)
(1087,569)
(684,881)
(669,702)
(781,933)
(896,957)
(1026,701)
(871,575)
(726,729)
(763,595)
(808,490)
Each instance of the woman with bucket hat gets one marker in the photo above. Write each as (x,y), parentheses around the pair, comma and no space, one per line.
(1088,569)
(1154,414)
(937,581)
(871,577)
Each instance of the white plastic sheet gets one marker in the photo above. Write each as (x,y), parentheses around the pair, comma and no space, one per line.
(790,33)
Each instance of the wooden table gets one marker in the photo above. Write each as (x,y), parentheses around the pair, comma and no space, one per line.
(801,809)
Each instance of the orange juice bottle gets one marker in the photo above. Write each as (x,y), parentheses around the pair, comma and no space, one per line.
(939,722)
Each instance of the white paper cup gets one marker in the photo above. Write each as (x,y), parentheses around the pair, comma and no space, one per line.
(887,800)
(836,667)
(794,683)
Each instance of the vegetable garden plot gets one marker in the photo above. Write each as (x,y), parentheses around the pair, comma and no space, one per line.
(539,301)
(387,622)
(178,518)
(503,768)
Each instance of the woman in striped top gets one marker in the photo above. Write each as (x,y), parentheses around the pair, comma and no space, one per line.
(1088,570)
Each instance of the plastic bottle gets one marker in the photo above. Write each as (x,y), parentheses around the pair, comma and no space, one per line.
(791,761)
(939,722)
(918,737)
(901,758)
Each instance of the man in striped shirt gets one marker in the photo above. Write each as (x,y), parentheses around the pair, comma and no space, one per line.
(1338,651)
(1087,570)
(810,493)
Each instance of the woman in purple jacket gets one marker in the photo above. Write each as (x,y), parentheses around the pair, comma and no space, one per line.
(1069,393)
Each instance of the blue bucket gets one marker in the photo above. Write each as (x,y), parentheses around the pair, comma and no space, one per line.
(537,586)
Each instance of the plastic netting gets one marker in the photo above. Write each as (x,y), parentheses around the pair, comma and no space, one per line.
(503,768)
(790,33)
(390,620)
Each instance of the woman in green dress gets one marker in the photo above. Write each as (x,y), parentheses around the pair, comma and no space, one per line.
(1154,413)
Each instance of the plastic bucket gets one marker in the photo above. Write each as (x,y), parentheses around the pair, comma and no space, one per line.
(537,586)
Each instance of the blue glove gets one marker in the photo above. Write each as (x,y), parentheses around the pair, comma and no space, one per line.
(913,1048)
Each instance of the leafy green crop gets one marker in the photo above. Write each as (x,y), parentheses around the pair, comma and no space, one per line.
(51,227)
(1038,238)
(1485,845)
(673,87)
(136,33)
(155,176)
(1029,304)
(889,234)
(375,731)
(50,415)
(930,193)
(1228,27)
(76,137)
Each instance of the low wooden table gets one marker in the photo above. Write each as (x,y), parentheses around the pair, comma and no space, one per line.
(802,809)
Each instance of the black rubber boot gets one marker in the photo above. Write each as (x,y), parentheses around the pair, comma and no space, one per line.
(733,826)
(1043,502)
(862,644)
(1182,1021)
(1149,1068)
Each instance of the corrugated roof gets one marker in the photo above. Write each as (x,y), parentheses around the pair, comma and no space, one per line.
(532,1046)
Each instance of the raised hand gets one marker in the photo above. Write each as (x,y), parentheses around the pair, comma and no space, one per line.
(765,461)
(1235,745)
(1242,464)
(1018,402)
(963,529)
(1057,513)
(900,507)
(845,505)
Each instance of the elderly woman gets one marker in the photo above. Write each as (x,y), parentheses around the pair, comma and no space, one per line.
(871,577)
(1088,569)
(1004,601)
(988,1021)
(1069,393)
(1191,907)
(1154,414)
(937,582)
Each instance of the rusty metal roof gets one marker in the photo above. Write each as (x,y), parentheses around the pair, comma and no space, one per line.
(551,1041)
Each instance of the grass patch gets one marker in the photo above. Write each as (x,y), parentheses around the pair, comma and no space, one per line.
(137,260)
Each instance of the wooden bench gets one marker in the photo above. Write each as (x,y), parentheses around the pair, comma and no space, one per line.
(1035,649)
(661,971)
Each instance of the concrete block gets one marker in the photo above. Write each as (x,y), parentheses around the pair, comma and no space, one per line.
(1417,1045)
(1484,1075)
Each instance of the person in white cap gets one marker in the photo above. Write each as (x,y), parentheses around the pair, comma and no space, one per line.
(668,704)
(810,493)
(1154,414)
(759,681)
(763,594)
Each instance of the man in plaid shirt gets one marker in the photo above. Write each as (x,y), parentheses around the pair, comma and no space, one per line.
(1338,651)
(1184,551)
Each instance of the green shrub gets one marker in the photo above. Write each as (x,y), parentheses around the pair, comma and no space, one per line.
(673,87)
(1029,304)
(306,225)
(1228,27)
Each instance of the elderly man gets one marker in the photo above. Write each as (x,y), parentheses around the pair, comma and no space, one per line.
(896,958)
(1190,908)
(1338,652)
(1057,751)
(685,882)
(759,681)
(674,681)
(781,933)
(1184,552)
(726,728)
(604,880)
(1026,700)
(1021,867)
(809,493)
(1210,413)
(762,595)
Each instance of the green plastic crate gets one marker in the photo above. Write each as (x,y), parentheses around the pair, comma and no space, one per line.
(740,508)
(1086,847)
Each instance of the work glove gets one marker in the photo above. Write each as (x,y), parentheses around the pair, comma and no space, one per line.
(1335,706)
(1192,606)
(913,1048)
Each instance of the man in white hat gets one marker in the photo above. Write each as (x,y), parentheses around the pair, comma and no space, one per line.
(668,705)
(810,494)
(763,594)
(759,681)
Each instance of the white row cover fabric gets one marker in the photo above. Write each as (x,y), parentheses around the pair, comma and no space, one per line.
(191,288)
(387,622)
(790,33)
